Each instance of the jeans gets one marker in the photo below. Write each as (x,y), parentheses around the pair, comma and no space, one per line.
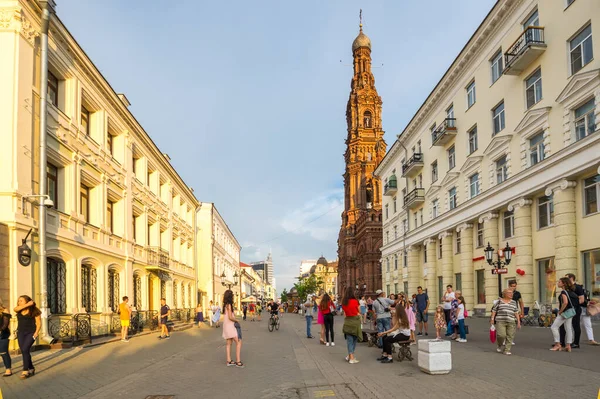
(461,329)
(576,329)
(383,324)
(351,342)
(586,321)
(25,343)
(388,341)
(328,321)
(560,320)
(309,320)
(447,315)
(505,332)
(4,353)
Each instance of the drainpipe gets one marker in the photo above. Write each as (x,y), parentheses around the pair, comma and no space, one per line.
(47,9)
(407,214)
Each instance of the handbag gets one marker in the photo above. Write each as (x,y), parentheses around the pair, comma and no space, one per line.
(492,334)
(593,309)
(568,313)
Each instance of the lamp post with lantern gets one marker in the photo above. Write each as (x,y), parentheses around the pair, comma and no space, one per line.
(499,264)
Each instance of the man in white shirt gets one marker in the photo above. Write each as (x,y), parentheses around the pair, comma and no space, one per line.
(381,306)
(447,299)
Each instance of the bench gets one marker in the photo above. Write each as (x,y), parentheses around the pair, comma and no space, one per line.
(370,336)
(404,351)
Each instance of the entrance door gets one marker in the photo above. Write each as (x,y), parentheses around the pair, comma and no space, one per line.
(150,294)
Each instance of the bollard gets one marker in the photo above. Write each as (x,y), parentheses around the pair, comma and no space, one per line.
(435,356)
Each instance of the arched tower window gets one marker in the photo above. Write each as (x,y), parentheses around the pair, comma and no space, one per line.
(367,119)
(88,287)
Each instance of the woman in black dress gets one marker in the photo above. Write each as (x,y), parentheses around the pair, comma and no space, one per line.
(28,329)
(5,317)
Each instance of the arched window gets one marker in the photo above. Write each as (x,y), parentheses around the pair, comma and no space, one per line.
(57,283)
(182,296)
(163,289)
(88,288)
(367,119)
(174,295)
(137,291)
(190,296)
(113,290)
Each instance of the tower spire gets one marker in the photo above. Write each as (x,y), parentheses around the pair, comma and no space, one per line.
(360,19)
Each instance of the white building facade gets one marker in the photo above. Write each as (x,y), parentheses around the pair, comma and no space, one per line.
(506,148)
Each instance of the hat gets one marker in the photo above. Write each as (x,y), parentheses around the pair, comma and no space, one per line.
(378,292)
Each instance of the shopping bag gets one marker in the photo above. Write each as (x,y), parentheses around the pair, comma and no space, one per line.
(492,334)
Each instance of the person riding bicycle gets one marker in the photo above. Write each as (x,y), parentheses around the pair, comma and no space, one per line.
(273,308)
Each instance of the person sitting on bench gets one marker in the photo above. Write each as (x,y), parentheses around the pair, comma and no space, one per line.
(399,332)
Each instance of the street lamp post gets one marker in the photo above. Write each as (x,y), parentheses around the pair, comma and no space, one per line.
(229,285)
(498,264)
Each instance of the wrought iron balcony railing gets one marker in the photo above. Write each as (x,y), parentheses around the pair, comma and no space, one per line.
(157,257)
(391,187)
(414,164)
(524,50)
(414,198)
(444,132)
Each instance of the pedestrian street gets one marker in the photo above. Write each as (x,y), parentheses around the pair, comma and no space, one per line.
(285,364)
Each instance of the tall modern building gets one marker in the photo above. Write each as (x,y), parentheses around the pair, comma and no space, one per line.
(265,269)
(505,149)
(359,239)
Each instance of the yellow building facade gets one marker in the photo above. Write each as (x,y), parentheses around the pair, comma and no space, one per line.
(505,149)
(327,272)
(123,220)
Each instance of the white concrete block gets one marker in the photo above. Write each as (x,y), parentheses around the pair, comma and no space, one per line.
(434,346)
(435,363)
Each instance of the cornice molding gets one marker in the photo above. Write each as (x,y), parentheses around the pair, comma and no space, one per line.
(560,185)
(444,234)
(429,241)
(488,216)
(464,226)
(519,203)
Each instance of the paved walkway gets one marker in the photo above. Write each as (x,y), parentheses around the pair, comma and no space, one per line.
(284,364)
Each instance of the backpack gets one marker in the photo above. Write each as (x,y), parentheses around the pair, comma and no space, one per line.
(586,297)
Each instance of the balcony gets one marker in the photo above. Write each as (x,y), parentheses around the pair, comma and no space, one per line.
(415,198)
(529,46)
(391,187)
(445,132)
(413,166)
(157,258)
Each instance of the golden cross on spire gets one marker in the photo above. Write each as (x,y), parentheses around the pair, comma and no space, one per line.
(360,19)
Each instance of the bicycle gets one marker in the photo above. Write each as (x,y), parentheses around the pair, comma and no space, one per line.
(273,323)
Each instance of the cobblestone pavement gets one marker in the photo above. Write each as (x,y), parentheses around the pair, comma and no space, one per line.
(284,364)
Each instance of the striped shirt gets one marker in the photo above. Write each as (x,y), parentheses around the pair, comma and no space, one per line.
(505,312)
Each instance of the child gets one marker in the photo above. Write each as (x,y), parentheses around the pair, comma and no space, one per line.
(411,321)
(439,321)
(460,318)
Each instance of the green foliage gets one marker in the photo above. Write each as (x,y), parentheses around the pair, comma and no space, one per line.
(307,286)
(284,297)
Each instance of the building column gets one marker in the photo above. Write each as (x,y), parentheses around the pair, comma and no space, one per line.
(466,263)
(523,258)
(490,235)
(565,236)
(430,270)
(414,272)
(447,257)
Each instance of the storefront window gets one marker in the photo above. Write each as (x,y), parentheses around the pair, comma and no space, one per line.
(480,278)
(591,271)
(547,280)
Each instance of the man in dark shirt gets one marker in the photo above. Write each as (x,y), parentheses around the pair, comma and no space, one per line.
(165,312)
(422,300)
(512,284)
(579,291)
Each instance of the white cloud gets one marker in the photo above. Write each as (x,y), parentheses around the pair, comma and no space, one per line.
(319,217)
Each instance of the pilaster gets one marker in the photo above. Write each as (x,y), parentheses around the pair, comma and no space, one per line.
(490,235)
(447,257)
(523,258)
(565,240)
(430,269)
(413,269)
(466,263)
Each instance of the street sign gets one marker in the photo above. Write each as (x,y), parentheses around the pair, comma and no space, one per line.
(504,270)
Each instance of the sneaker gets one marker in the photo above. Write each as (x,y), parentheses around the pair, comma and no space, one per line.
(499,350)
(327,344)
(513,344)
(507,353)
(333,344)
(346,358)
(387,360)
(310,337)
(124,340)
(167,337)
(353,361)
(426,333)
(461,340)
(381,358)
(419,334)
(160,337)
(574,346)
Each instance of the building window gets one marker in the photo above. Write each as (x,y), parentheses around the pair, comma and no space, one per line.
(458,282)
(416,219)
(387,265)
(591,193)
(395,205)
(474,185)
(479,235)
(450,112)
(404,196)
(387,212)
(405,258)
(419,146)
(533,20)
(501,170)
(458,242)
(533,88)
(545,211)
(88,288)
(435,210)
(452,198)
(395,262)
(591,271)
(395,232)
(420,180)
(52,89)
(387,288)
(367,119)
(52,182)
(582,51)
(509,224)
(440,249)
(434,172)
(480,279)
(110,216)
(113,290)
(134,220)
(473,140)
(451,158)
(396,288)
(387,237)
(421,216)
(471,94)
(84,202)
(585,120)
(496,63)
(498,117)
(85,120)
(425,254)
(536,148)
(405,226)
(440,286)
(57,283)
(547,280)
(137,291)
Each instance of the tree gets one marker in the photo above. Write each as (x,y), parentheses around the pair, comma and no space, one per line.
(308,285)
(284,297)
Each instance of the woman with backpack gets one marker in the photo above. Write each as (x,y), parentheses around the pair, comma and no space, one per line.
(327,308)
(565,315)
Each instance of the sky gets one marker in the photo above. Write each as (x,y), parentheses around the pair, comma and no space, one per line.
(248,98)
